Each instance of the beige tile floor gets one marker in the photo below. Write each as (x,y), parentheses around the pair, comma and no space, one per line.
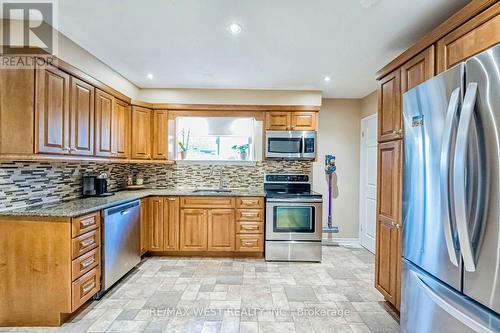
(241,295)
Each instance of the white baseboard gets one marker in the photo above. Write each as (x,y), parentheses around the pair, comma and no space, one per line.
(351,242)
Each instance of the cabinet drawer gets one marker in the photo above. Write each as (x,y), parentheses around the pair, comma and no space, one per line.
(250,243)
(249,215)
(249,227)
(85,287)
(207,202)
(85,263)
(250,202)
(84,243)
(85,223)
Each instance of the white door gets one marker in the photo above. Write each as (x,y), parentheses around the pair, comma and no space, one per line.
(368,183)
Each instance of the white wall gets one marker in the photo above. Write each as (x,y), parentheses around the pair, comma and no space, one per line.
(231,96)
(339,134)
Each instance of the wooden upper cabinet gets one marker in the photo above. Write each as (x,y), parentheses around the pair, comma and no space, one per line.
(278,121)
(52,115)
(303,121)
(193,229)
(389,182)
(473,37)
(104,109)
(82,118)
(389,114)
(121,129)
(141,133)
(160,134)
(171,224)
(156,217)
(417,70)
(291,121)
(221,230)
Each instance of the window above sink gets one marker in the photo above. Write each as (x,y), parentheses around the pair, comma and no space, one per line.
(223,139)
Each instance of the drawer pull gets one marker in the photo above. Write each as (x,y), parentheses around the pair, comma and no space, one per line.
(87,243)
(248,243)
(245,227)
(87,263)
(249,214)
(88,287)
(86,223)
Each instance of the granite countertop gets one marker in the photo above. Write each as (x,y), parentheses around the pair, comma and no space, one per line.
(83,206)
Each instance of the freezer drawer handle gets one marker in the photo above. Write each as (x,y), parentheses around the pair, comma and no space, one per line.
(449,308)
(459,177)
(451,115)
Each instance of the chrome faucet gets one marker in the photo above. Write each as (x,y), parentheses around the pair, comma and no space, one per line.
(221,175)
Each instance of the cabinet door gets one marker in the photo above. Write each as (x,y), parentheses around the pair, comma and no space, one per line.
(278,121)
(156,218)
(141,133)
(52,111)
(82,118)
(389,204)
(104,106)
(121,129)
(160,134)
(193,230)
(171,224)
(387,261)
(221,230)
(144,226)
(419,69)
(473,37)
(303,121)
(389,113)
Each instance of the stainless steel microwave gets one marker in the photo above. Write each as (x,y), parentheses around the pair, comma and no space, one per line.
(293,145)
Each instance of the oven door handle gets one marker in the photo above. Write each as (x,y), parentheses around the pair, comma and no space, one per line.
(292,200)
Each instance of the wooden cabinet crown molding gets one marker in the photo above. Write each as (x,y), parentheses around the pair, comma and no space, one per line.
(470,10)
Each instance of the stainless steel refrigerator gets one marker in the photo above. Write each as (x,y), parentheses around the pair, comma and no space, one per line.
(451,200)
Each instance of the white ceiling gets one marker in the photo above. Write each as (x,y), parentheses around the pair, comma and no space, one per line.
(285,44)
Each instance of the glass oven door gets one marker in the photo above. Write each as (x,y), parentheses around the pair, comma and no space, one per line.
(292,220)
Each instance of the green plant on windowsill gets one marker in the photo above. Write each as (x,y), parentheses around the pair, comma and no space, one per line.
(183,143)
(242,151)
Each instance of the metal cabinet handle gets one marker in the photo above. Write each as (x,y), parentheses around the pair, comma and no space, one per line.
(86,223)
(459,177)
(87,242)
(451,115)
(88,287)
(87,262)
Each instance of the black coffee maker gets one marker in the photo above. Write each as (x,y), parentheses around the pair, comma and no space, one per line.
(95,185)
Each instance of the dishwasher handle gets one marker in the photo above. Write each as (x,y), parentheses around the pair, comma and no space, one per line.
(123,209)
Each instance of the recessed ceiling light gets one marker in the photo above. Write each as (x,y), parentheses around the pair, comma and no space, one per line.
(327,79)
(150,76)
(234,28)
(368,3)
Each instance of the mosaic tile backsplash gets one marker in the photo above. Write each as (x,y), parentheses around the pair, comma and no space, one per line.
(30,183)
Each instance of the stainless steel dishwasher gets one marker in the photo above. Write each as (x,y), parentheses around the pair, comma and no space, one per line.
(121,243)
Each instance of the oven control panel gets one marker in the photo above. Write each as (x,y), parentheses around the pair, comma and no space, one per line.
(287,178)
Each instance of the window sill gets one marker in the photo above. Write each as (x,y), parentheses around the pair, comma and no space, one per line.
(215,162)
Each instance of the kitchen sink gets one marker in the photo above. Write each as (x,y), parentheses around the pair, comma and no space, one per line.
(211,191)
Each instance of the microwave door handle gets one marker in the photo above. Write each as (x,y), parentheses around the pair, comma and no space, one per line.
(459,177)
(303,146)
(444,177)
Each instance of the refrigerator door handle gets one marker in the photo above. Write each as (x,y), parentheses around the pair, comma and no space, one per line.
(451,114)
(443,303)
(459,177)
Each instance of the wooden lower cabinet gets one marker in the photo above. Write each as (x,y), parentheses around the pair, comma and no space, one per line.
(193,226)
(163,223)
(144,226)
(171,224)
(48,268)
(388,261)
(221,226)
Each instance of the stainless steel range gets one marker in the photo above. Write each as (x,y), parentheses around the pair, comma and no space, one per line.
(293,218)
